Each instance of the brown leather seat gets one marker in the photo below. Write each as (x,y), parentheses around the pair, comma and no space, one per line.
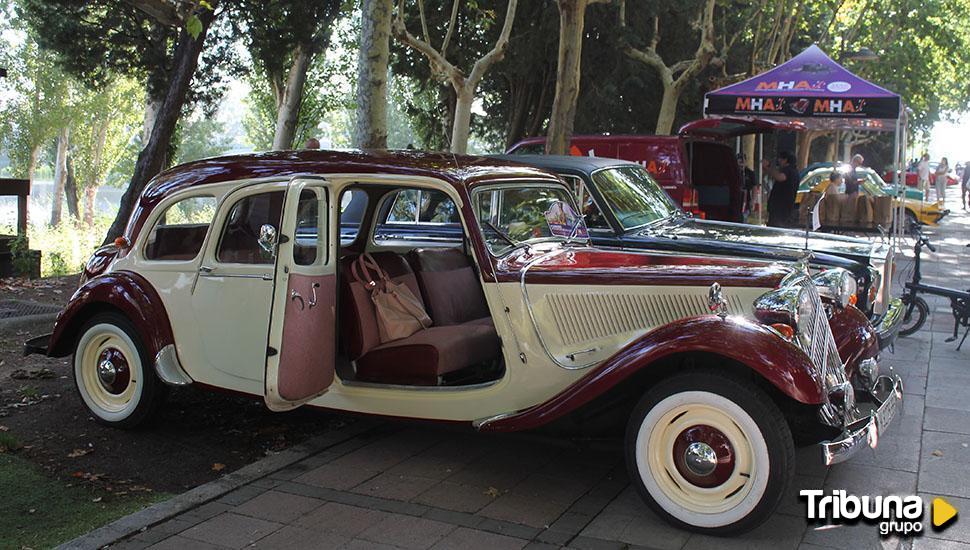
(420,359)
(451,289)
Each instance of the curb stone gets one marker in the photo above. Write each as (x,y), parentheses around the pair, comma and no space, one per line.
(137,522)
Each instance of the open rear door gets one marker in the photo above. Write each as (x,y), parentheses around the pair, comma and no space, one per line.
(301,355)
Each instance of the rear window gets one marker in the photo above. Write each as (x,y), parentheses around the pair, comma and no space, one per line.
(179,233)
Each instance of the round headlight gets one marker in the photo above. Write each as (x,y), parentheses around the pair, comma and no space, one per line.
(837,285)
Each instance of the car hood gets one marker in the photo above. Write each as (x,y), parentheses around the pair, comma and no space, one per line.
(741,234)
(594,266)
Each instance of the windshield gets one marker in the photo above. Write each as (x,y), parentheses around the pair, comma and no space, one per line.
(633,196)
(524,215)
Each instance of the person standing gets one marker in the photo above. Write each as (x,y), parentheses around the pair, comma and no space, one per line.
(923,175)
(852,177)
(942,170)
(781,199)
(965,184)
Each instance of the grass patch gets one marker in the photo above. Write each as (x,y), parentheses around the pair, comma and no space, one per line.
(39,512)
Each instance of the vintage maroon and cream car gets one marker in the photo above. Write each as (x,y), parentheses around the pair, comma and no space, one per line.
(234,273)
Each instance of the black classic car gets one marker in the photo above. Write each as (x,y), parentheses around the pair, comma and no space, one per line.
(626,208)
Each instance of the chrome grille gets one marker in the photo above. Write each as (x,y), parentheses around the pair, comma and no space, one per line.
(585,317)
(820,345)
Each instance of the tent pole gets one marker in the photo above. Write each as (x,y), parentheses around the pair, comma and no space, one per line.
(899,206)
(761,179)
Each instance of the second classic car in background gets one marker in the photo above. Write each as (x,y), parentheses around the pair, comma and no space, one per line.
(229,273)
(625,208)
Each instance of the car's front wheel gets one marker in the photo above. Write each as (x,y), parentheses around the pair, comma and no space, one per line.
(113,374)
(709,453)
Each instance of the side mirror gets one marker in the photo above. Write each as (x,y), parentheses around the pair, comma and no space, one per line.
(268,238)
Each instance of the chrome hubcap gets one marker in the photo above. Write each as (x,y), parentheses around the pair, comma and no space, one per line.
(700,458)
(107,373)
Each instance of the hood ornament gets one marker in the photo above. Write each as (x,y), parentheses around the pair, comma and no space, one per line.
(716,302)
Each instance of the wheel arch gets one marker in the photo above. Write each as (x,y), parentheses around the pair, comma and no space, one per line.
(774,364)
(122,292)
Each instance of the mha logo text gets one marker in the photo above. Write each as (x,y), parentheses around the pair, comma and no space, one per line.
(894,515)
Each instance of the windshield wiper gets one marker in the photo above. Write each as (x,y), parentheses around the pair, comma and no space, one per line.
(504,237)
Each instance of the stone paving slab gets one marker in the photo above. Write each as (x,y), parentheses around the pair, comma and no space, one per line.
(399,486)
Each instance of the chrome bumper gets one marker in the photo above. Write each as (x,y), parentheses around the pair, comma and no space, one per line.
(888,327)
(887,393)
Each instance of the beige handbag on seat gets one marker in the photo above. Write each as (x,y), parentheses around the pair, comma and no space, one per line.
(399,312)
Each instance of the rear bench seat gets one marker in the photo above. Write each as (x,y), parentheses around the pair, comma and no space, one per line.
(420,359)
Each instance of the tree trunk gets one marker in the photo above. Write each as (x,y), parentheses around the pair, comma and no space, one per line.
(375,32)
(70,189)
(668,110)
(32,167)
(289,110)
(463,119)
(90,194)
(572,15)
(152,106)
(60,176)
(831,146)
(151,159)
(803,144)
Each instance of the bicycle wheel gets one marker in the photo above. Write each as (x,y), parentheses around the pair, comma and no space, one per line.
(914,317)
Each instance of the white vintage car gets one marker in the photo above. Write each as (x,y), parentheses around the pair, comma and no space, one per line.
(236,273)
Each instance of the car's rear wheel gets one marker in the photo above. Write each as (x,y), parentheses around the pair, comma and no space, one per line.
(112,372)
(708,453)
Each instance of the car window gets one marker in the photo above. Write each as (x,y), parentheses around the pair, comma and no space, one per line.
(588,206)
(239,243)
(353,205)
(311,243)
(521,214)
(634,196)
(180,231)
(422,206)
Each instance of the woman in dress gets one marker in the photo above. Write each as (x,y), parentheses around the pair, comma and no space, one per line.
(941,171)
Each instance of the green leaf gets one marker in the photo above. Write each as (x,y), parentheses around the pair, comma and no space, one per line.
(205,4)
(193,26)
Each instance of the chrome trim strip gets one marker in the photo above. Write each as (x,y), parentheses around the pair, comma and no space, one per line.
(169,369)
(532,315)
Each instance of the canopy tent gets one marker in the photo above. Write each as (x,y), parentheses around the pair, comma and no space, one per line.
(814,90)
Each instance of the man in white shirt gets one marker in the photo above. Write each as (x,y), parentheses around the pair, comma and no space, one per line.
(923,174)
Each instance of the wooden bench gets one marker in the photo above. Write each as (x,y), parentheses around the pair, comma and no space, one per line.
(20,189)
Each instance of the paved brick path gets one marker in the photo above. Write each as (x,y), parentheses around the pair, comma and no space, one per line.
(418,487)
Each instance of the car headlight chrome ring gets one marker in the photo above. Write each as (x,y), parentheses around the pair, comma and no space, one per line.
(838,285)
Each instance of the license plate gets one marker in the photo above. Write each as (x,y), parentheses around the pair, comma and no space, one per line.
(886,412)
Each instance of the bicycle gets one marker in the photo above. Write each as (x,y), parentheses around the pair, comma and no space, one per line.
(917,310)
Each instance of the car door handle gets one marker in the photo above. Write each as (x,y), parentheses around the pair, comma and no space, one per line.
(206,269)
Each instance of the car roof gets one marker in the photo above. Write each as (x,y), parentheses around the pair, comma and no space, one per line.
(459,170)
(566,162)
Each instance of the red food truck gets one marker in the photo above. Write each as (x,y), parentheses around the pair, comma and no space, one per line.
(697,167)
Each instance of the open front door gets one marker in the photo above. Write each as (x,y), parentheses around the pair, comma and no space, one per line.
(302,334)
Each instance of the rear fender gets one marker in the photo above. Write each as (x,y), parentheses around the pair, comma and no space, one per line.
(736,339)
(122,291)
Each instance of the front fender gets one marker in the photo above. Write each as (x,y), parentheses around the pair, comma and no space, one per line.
(122,291)
(855,337)
(778,361)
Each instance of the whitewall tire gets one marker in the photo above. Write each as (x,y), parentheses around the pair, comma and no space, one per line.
(708,453)
(113,373)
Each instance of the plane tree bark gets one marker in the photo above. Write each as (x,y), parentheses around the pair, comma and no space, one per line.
(465,85)
(370,131)
(675,77)
(572,21)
